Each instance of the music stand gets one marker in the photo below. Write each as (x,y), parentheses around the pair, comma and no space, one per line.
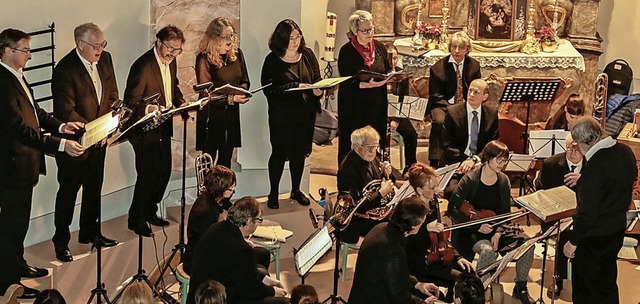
(334,298)
(446,173)
(545,143)
(311,250)
(147,123)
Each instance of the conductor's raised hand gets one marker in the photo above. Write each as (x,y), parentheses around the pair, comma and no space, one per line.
(71,127)
(73,148)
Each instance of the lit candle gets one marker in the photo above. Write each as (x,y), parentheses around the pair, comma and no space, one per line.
(330,36)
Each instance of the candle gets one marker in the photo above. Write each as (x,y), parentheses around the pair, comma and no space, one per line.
(330,37)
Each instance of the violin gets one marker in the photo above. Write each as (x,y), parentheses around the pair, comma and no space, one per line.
(467,209)
(484,216)
(441,249)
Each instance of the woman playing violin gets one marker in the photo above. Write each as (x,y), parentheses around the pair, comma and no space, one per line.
(486,191)
(444,272)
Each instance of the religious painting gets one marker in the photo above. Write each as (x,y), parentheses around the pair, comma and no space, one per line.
(435,8)
(497,19)
(383,17)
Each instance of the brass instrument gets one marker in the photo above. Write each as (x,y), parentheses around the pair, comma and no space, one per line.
(386,202)
(346,207)
(204,162)
(600,101)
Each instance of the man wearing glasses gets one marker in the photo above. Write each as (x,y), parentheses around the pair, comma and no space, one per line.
(154,72)
(23,142)
(224,254)
(84,88)
(359,167)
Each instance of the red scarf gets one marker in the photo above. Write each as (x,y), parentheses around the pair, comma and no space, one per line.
(368,53)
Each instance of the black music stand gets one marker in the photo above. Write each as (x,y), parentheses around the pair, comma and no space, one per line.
(147,123)
(334,297)
(311,250)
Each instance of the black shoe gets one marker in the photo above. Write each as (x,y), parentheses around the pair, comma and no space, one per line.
(558,289)
(34,272)
(272,202)
(156,221)
(299,197)
(99,241)
(63,254)
(142,230)
(28,293)
(521,293)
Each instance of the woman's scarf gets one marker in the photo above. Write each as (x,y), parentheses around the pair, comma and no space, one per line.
(367,52)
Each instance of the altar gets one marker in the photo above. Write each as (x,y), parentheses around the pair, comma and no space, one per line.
(566,63)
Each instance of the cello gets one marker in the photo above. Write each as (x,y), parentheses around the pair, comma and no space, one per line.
(441,249)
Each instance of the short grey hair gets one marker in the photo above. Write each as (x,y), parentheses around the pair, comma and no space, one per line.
(358,17)
(461,38)
(359,136)
(242,210)
(587,130)
(83,30)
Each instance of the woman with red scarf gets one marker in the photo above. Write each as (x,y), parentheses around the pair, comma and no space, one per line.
(361,103)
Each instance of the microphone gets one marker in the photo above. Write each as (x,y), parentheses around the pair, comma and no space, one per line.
(203,86)
(151,98)
(314,218)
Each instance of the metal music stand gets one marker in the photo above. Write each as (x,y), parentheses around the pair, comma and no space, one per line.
(147,123)
(311,250)
(545,143)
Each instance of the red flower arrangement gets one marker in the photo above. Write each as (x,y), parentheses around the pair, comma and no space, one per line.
(546,34)
(430,31)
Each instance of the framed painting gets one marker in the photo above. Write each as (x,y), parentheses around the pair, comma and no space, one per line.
(497,19)
(435,8)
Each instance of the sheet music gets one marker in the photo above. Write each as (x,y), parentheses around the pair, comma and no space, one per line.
(542,142)
(519,163)
(99,129)
(445,174)
(275,232)
(412,108)
(551,202)
(405,191)
(322,84)
(312,250)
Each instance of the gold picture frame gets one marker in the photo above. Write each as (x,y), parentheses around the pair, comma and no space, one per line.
(435,8)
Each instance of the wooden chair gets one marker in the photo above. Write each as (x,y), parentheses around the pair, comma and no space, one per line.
(12,294)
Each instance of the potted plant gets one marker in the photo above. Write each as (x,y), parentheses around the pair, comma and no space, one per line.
(548,39)
(430,35)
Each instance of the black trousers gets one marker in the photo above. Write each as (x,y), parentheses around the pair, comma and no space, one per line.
(435,138)
(153,165)
(73,173)
(410,139)
(595,270)
(224,155)
(15,211)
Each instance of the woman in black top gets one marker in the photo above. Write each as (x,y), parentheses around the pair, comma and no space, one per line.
(221,62)
(292,114)
(361,103)
(567,115)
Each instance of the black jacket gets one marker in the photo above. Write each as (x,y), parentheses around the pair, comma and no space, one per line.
(443,81)
(455,134)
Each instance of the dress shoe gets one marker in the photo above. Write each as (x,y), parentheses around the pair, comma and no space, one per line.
(28,293)
(558,289)
(299,197)
(142,230)
(521,293)
(99,241)
(34,272)
(63,254)
(272,202)
(156,221)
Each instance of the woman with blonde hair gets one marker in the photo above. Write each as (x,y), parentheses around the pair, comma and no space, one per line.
(221,62)
(137,293)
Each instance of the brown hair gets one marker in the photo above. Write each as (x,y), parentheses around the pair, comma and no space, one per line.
(218,180)
(211,292)
(420,174)
(304,294)
(494,149)
(9,39)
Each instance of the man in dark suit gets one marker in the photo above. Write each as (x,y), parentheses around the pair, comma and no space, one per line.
(22,146)
(84,88)
(468,127)
(604,193)
(558,170)
(449,81)
(154,72)
(224,254)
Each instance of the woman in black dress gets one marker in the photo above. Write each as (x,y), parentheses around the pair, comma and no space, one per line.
(220,61)
(292,114)
(361,103)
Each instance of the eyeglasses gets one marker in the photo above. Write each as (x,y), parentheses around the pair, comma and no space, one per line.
(229,37)
(371,147)
(293,38)
(258,219)
(172,50)
(367,31)
(97,46)
(502,160)
(25,51)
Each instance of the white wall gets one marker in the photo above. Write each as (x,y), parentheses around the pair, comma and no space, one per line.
(619,26)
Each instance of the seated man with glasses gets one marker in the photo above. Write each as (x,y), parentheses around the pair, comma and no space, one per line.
(223,254)
(486,188)
(359,167)
(558,170)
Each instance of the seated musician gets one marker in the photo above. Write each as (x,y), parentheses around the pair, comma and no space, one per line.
(558,170)
(359,167)
(468,127)
(424,181)
(567,115)
(210,207)
(488,189)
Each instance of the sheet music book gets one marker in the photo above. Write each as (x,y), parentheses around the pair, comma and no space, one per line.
(544,142)
(99,129)
(228,89)
(275,232)
(412,108)
(322,84)
(445,174)
(519,163)
(365,76)
(551,204)
(312,249)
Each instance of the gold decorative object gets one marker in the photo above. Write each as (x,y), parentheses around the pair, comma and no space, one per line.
(530,45)
(444,38)
(549,46)
(496,46)
(430,43)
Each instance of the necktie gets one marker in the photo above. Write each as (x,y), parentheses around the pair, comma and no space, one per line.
(94,78)
(573,168)
(475,128)
(459,98)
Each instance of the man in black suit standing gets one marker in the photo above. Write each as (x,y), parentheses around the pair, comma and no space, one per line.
(84,88)
(154,72)
(22,146)
(449,81)
(562,169)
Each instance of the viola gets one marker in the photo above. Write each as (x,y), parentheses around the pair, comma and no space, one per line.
(467,209)
(441,249)
(506,228)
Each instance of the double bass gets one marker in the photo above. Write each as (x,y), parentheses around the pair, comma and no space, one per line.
(441,249)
